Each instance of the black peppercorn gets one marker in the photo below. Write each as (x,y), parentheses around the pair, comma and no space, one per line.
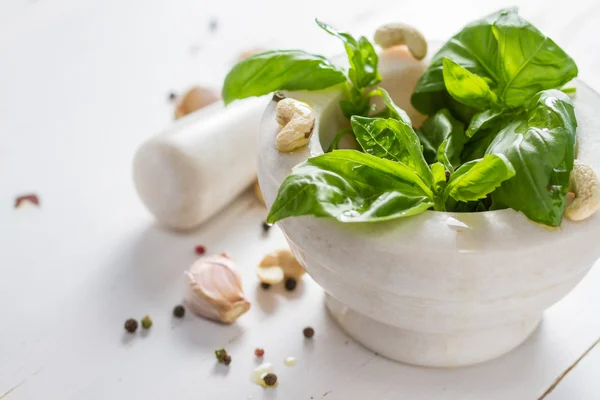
(290,284)
(179,311)
(266,226)
(213,24)
(308,332)
(131,325)
(172,96)
(270,379)
(265,285)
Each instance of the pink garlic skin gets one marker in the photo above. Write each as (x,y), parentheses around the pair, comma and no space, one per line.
(214,289)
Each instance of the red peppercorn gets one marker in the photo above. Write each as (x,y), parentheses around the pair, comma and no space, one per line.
(259,352)
(227,359)
(200,250)
(308,332)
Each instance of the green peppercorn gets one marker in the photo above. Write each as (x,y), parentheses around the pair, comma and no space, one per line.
(146,322)
(131,325)
(221,354)
(179,311)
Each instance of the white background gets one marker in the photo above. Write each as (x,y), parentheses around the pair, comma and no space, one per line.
(82,84)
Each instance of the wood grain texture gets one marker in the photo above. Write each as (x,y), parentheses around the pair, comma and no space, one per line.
(82,84)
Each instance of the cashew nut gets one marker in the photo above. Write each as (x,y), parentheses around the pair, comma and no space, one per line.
(297,120)
(280,260)
(194,99)
(397,34)
(586,186)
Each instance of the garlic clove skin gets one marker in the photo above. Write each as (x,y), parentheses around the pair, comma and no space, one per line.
(214,289)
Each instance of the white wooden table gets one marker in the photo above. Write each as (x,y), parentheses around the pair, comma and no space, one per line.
(82,83)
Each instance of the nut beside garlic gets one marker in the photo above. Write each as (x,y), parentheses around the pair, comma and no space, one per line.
(278,265)
(214,289)
(194,99)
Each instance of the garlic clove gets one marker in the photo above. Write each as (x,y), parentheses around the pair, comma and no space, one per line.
(271,275)
(214,289)
(285,260)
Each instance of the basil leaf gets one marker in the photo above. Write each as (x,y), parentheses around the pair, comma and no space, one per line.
(529,61)
(394,111)
(482,120)
(540,145)
(280,70)
(475,179)
(466,87)
(351,186)
(392,140)
(510,54)
(438,172)
(438,128)
(477,147)
(361,55)
(442,156)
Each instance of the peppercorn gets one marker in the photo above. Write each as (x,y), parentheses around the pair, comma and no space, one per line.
(266,226)
(290,284)
(213,24)
(270,379)
(259,352)
(227,359)
(278,96)
(447,175)
(172,96)
(200,250)
(308,332)
(221,354)
(131,325)
(265,285)
(146,322)
(179,311)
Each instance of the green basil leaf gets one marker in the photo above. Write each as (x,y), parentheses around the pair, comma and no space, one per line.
(514,58)
(478,145)
(483,120)
(540,145)
(442,156)
(362,57)
(437,129)
(439,178)
(438,172)
(475,179)
(394,111)
(351,186)
(391,139)
(280,70)
(466,87)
